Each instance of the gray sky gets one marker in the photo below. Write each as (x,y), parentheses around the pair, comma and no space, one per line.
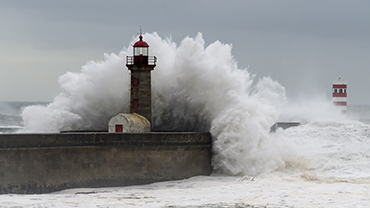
(305,45)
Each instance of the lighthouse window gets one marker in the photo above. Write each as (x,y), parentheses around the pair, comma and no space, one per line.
(135,103)
(140,51)
(135,82)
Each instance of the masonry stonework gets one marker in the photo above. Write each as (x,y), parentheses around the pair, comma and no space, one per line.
(42,163)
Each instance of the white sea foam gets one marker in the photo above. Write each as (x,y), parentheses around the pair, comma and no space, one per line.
(207,192)
(331,150)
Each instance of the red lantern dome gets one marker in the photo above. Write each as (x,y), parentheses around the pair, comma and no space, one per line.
(141,48)
(141,43)
(141,54)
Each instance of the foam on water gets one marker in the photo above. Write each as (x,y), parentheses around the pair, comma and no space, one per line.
(331,150)
(207,192)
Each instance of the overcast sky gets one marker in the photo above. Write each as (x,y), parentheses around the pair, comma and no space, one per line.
(305,45)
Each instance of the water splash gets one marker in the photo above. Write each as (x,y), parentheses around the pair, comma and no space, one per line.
(314,108)
(330,150)
(195,88)
(87,100)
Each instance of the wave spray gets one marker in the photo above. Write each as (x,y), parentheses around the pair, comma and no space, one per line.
(194,88)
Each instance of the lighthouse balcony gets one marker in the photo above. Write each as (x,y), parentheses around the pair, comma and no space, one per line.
(141,60)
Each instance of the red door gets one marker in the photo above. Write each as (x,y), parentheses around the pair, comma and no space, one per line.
(119,128)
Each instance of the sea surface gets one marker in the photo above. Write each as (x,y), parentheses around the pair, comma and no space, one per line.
(329,167)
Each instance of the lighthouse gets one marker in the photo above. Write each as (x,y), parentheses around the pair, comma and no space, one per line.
(340,95)
(140,117)
(141,65)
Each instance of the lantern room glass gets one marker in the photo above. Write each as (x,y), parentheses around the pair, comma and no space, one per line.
(140,51)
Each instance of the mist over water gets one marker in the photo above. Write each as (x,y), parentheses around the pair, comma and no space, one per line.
(305,110)
(194,88)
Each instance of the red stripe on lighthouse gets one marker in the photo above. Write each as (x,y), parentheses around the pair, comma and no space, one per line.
(340,103)
(342,86)
(339,94)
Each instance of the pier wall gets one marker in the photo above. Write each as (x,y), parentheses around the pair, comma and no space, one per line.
(283,125)
(42,163)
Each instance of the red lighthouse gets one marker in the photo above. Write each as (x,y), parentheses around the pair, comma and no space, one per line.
(140,65)
(340,95)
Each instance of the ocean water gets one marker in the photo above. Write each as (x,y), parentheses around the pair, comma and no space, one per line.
(325,162)
(328,167)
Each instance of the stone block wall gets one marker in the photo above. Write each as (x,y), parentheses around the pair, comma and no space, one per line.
(41,163)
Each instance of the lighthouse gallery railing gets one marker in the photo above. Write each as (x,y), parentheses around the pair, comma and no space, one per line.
(141,60)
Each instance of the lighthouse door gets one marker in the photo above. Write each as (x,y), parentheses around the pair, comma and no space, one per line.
(119,128)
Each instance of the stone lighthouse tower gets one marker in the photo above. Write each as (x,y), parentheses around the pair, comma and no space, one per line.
(141,65)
